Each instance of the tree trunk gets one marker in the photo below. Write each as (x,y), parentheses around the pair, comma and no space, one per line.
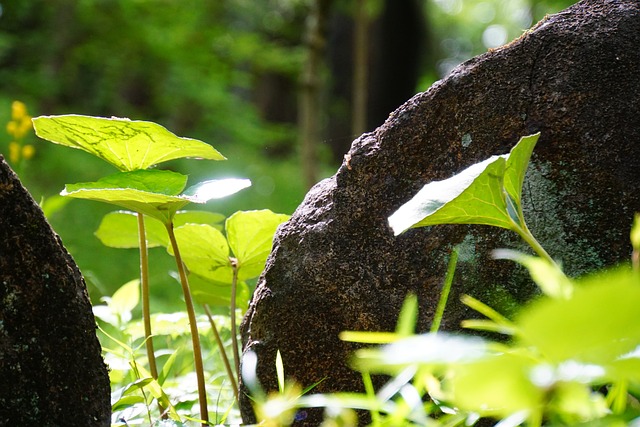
(310,91)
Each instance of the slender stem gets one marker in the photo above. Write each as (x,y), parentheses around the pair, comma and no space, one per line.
(371,394)
(446,288)
(223,354)
(232,307)
(146,312)
(195,337)
(523,231)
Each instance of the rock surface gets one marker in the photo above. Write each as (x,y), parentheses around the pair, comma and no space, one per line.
(335,266)
(51,368)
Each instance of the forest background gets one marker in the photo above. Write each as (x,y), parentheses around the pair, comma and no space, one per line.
(239,74)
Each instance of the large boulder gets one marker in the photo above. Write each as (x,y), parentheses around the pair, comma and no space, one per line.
(51,368)
(336,265)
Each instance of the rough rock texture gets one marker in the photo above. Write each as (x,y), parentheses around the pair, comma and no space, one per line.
(336,265)
(51,369)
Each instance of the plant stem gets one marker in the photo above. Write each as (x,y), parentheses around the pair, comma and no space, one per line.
(146,312)
(232,307)
(223,354)
(523,231)
(446,288)
(195,337)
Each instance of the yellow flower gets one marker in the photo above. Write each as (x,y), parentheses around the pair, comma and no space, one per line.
(14,152)
(18,111)
(28,151)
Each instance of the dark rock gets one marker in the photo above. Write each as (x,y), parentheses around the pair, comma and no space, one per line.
(51,368)
(336,265)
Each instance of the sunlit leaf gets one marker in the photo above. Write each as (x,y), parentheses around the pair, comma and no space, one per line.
(436,349)
(215,189)
(408,316)
(126,298)
(487,193)
(497,385)
(280,372)
(152,192)
(474,196)
(126,144)
(596,326)
(547,276)
(250,236)
(120,229)
(516,167)
(218,294)
(204,250)
(126,402)
(635,232)
(158,393)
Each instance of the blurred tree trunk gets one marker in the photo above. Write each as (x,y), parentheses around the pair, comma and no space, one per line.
(360,69)
(310,90)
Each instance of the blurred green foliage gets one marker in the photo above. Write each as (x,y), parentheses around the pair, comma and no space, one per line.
(202,69)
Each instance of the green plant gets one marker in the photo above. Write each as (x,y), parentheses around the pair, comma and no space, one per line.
(158,195)
(573,354)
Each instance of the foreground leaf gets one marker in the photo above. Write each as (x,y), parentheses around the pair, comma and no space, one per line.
(474,196)
(600,329)
(126,144)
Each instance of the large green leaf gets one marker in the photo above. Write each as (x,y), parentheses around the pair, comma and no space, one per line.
(152,192)
(120,229)
(126,144)
(598,325)
(474,196)
(497,385)
(205,251)
(250,236)
(216,293)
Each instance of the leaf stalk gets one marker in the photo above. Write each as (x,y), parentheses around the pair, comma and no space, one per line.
(195,337)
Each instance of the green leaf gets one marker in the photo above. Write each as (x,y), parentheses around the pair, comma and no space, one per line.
(151,181)
(516,167)
(547,275)
(408,316)
(280,372)
(635,233)
(151,192)
(596,326)
(434,349)
(218,294)
(126,298)
(497,385)
(215,189)
(125,402)
(250,236)
(126,144)
(120,229)
(205,251)
(474,196)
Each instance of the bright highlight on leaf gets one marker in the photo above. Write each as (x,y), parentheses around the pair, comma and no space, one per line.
(487,193)
(126,144)
(474,196)
(155,193)
(216,189)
